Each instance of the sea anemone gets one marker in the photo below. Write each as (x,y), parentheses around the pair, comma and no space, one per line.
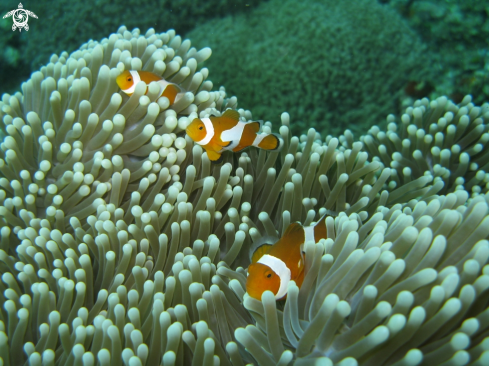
(120,242)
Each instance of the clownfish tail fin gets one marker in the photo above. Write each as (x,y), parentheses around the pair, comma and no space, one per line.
(171,92)
(268,141)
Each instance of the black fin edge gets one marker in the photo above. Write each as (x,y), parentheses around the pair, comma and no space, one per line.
(218,161)
(264,240)
(279,142)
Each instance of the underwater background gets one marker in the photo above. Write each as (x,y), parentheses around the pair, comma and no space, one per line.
(325,62)
(122,244)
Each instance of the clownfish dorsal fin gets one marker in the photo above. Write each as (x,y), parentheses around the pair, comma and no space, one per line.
(330,213)
(260,252)
(255,126)
(261,247)
(231,114)
(294,234)
(293,228)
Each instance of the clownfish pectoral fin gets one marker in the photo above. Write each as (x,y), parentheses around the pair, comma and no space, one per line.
(219,161)
(268,141)
(231,114)
(215,157)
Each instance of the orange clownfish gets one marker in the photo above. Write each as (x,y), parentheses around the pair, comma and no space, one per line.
(128,80)
(217,134)
(274,266)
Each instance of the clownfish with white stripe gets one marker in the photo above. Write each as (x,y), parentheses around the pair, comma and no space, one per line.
(274,266)
(128,80)
(218,134)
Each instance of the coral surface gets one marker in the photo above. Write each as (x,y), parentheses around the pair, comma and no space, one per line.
(459,32)
(327,65)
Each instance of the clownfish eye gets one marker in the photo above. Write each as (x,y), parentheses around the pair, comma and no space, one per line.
(269,275)
(129,79)
(201,128)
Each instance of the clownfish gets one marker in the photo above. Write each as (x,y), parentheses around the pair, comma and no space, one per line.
(128,80)
(217,134)
(274,266)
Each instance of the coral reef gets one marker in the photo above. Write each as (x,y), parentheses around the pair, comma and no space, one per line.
(62,24)
(459,31)
(121,244)
(327,65)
